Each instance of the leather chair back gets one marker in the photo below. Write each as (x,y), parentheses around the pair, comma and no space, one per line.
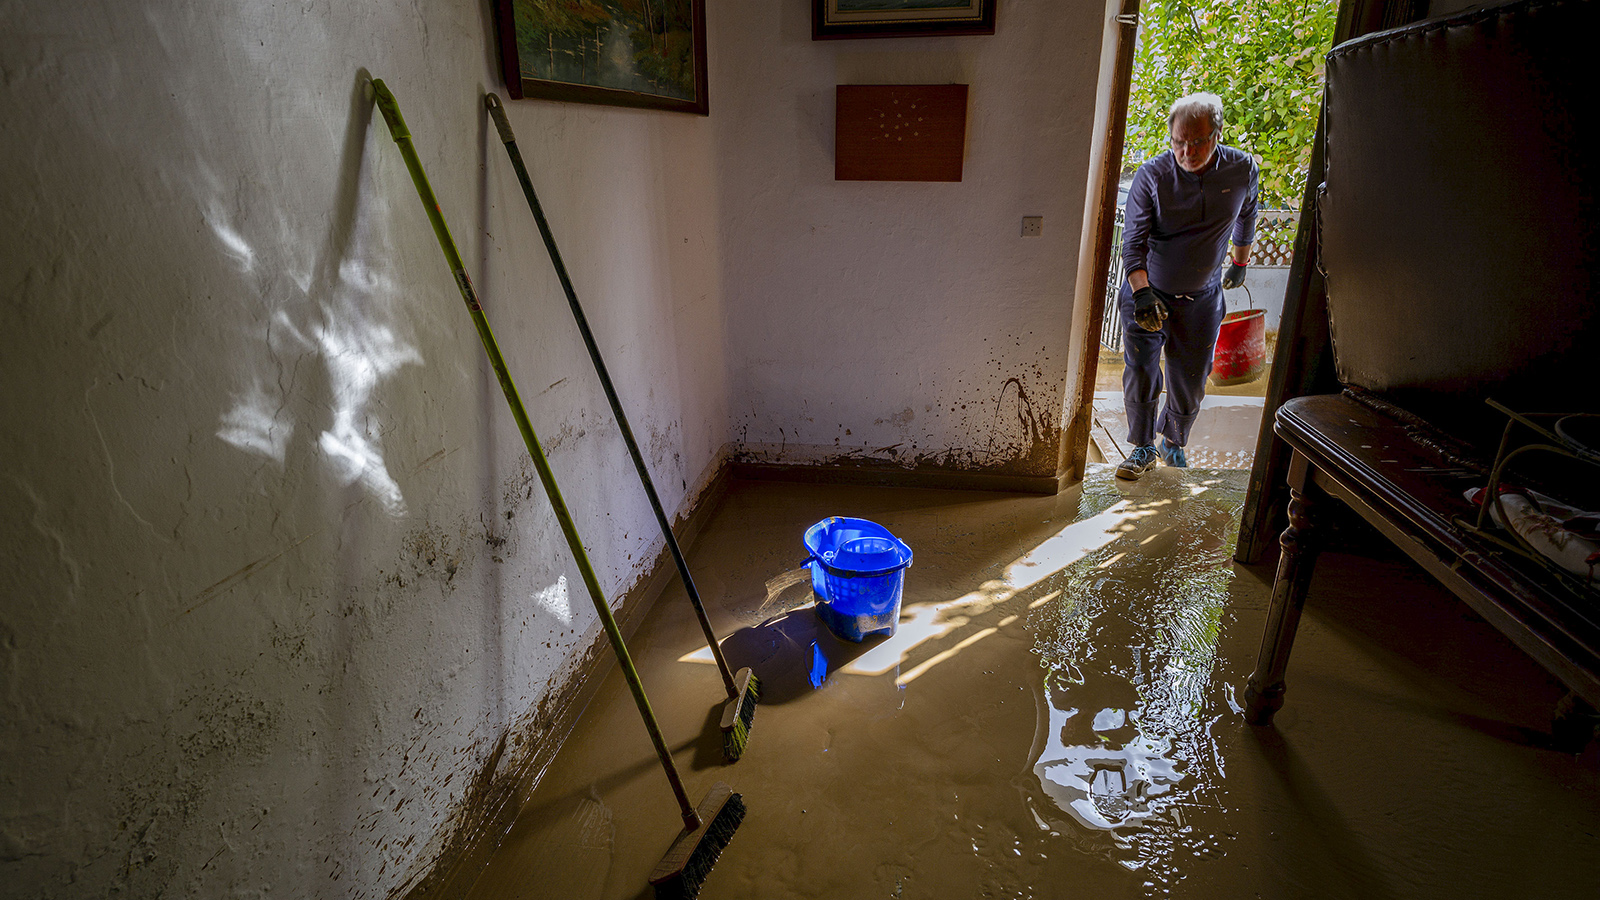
(1459,216)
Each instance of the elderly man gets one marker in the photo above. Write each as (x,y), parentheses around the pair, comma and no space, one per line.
(1182,208)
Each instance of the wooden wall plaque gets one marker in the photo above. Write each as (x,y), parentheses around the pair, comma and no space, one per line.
(899,132)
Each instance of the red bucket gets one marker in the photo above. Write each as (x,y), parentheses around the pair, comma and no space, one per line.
(1241,348)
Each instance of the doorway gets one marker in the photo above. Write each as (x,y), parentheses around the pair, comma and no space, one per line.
(1267,66)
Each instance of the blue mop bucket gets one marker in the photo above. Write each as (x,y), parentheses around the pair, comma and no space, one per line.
(857,572)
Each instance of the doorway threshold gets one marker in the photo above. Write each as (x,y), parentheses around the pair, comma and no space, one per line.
(1223,437)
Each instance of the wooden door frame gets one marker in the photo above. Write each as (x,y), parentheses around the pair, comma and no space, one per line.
(1096,250)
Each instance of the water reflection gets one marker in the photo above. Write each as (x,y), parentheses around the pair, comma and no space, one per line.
(819,666)
(1127,704)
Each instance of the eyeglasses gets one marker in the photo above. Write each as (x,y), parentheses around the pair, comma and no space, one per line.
(1195,144)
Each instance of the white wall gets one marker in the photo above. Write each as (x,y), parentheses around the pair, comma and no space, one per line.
(276,579)
(908,323)
(1263,289)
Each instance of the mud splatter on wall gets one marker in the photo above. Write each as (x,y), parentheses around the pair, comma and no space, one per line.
(1006,416)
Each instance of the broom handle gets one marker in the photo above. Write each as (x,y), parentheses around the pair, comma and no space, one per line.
(492,101)
(402,137)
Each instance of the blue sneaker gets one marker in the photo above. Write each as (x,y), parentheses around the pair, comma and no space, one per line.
(1143,459)
(1173,456)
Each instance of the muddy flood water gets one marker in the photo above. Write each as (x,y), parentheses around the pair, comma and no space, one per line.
(1057,715)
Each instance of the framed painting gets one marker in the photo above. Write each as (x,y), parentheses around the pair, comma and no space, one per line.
(642,53)
(832,19)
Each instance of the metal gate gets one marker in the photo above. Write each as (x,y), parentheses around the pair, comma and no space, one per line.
(1111,323)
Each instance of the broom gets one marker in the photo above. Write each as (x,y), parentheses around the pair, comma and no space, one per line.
(708,827)
(744,689)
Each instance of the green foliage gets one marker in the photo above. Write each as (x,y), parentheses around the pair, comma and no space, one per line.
(663,42)
(1263,57)
(560,39)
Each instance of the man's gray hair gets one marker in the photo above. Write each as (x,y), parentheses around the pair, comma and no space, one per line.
(1199,105)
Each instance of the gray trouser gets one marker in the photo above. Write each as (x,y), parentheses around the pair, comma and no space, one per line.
(1189,339)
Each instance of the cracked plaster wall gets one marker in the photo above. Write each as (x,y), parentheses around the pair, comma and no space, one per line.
(893,322)
(277,581)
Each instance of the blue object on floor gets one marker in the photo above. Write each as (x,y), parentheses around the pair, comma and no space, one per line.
(858,571)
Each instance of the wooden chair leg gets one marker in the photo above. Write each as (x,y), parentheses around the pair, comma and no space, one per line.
(1574,724)
(1263,694)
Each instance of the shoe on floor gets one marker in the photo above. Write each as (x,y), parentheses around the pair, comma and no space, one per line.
(1143,459)
(1173,456)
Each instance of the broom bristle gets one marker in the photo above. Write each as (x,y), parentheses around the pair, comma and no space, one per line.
(738,715)
(683,870)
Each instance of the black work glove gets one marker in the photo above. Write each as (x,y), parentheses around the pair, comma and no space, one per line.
(1234,276)
(1148,310)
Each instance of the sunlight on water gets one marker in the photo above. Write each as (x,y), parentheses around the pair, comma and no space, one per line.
(1123,609)
(918,624)
(922,622)
(1137,643)
(925,623)
(912,675)
(1111,718)
(1068,546)
(1103,786)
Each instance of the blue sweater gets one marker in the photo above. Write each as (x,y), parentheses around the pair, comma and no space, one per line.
(1178,222)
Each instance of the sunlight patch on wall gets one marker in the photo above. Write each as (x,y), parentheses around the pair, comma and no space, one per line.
(558,603)
(360,355)
(354,330)
(233,244)
(253,425)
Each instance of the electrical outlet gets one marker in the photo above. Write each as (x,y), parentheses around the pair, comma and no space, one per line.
(1032,226)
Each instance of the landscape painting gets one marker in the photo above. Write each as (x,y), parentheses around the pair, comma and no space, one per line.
(644,53)
(900,18)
